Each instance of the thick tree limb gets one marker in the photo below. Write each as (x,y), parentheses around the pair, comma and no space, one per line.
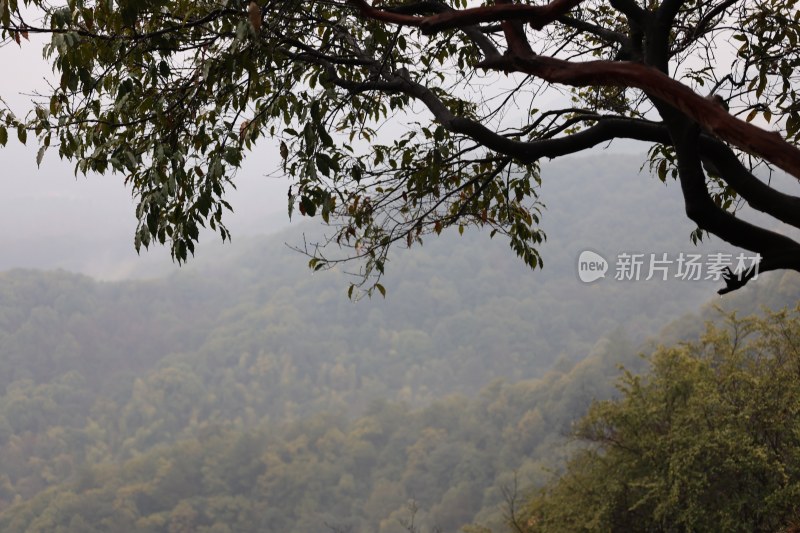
(702,210)
(669,10)
(630,9)
(758,195)
(515,37)
(777,251)
(607,129)
(472,31)
(537,16)
(707,113)
(392,17)
(775,261)
(755,192)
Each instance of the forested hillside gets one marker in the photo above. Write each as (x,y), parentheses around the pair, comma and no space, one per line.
(266,441)
(707,439)
(245,393)
(179,467)
(292,386)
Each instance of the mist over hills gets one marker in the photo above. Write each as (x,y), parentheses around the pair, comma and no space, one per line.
(244,393)
(86,225)
(146,407)
(440,294)
(460,311)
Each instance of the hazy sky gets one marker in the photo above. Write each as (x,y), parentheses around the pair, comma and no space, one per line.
(51,219)
(43,210)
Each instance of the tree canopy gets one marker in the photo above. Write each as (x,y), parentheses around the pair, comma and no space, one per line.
(261,400)
(706,441)
(213,403)
(399,119)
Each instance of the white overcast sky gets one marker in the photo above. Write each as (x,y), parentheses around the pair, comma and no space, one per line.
(41,210)
(51,219)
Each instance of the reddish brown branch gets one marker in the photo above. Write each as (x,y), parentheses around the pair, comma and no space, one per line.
(514,31)
(386,16)
(537,16)
(708,114)
(515,37)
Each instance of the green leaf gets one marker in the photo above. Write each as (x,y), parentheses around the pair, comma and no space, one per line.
(3,135)
(323,164)
(307,206)
(40,155)
(381,289)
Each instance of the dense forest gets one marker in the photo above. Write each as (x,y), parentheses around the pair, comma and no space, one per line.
(246,394)
(708,439)
(164,462)
(264,441)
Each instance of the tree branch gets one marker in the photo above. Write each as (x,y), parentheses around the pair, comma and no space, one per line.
(669,10)
(598,31)
(708,216)
(537,16)
(708,17)
(706,113)
(607,128)
(756,193)
(777,251)
(630,9)
(472,31)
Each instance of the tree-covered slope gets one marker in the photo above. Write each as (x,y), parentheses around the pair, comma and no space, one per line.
(243,472)
(104,382)
(707,440)
(198,445)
